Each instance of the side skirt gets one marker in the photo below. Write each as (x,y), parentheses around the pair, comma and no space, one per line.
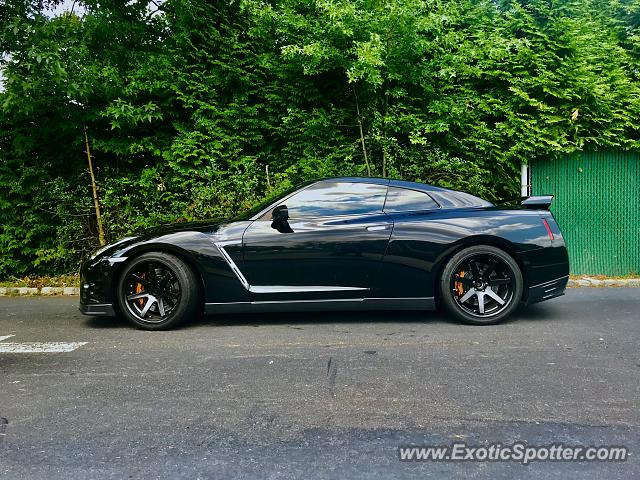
(416,303)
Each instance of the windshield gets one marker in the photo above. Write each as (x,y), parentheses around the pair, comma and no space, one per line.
(249,214)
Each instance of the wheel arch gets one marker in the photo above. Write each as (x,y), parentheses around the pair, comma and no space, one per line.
(490,240)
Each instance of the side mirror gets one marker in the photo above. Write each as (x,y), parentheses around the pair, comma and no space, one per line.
(280,219)
(280,214)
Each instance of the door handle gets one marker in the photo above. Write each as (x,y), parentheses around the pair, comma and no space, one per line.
(376,228)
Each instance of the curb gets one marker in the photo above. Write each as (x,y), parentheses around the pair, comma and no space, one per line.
(609,282)
(47,291)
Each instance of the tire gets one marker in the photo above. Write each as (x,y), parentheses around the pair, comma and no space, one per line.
(481,285)
(158,291)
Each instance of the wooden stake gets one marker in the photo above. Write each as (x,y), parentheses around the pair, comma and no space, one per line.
(94,187)
(364,148)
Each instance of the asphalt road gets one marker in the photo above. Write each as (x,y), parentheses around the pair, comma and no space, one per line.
(328,395)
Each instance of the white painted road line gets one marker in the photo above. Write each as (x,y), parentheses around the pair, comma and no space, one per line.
(38,347)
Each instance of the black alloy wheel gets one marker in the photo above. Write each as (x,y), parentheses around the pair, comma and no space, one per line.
(157,291)
(481,285)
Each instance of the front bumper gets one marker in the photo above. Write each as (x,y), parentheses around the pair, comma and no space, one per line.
(96,288)
(97,309)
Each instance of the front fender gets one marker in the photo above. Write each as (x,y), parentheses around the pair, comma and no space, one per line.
(199,251)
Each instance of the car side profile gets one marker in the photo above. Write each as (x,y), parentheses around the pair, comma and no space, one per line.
(337,244)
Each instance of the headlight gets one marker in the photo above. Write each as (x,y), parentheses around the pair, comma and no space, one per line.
(106,247)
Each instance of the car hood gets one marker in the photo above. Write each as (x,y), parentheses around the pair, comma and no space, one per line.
(209,225)
(204,226)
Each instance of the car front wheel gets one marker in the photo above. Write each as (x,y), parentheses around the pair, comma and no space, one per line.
(158,291)
(481,285)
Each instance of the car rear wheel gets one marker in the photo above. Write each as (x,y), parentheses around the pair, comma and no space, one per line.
(158,291)
(481,285)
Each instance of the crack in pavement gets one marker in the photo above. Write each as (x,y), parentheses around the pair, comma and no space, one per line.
(332,371)
(3,428)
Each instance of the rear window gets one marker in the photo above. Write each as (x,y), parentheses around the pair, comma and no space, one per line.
(452,199)
(405,200)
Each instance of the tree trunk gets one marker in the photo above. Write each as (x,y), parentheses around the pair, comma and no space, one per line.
(94,188)
(384,134)
(364,148)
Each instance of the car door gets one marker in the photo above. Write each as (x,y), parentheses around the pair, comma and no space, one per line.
(325,241)
(417,240)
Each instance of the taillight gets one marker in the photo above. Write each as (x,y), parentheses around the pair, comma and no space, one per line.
(549,232)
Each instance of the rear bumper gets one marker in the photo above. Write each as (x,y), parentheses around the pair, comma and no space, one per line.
(547,290)
(546,271)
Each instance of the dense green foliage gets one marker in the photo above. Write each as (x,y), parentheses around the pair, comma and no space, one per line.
(199,108)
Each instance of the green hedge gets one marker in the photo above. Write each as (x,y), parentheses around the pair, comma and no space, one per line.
(200,108)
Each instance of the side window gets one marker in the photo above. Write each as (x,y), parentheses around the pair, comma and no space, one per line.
(405,200)
(325,199)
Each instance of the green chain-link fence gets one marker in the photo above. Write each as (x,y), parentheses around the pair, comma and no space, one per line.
(597,204)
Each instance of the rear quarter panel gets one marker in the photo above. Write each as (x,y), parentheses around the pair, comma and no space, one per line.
(421,243)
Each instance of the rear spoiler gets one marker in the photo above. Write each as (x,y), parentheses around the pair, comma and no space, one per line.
(542,202)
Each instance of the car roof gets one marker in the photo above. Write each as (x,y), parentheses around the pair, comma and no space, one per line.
(386,181)
(445,197)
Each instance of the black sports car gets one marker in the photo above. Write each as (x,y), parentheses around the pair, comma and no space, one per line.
(338,243)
